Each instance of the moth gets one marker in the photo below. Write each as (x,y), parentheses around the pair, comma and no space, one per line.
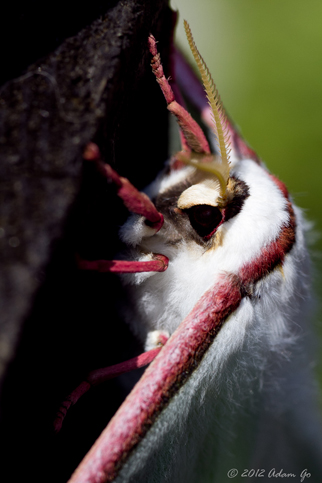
(218,291)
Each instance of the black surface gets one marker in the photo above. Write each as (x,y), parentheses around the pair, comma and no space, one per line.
(57,323)
(31,30)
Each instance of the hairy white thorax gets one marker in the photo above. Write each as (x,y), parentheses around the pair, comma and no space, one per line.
(254,385)
(160,301)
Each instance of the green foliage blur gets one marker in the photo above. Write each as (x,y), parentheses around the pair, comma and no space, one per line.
(266,59)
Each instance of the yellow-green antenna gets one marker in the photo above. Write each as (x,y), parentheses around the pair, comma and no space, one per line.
(218,114)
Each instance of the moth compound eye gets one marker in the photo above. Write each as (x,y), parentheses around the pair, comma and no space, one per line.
(205,215)
(204,219)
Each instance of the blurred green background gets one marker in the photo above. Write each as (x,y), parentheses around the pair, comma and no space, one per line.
(266,59)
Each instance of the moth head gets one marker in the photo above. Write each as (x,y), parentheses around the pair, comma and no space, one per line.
(209,185)
(198,186)
(204,204)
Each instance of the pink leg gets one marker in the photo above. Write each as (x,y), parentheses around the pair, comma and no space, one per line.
(101,375)
(133,199)
(193,134)
(159,264)
(136,202)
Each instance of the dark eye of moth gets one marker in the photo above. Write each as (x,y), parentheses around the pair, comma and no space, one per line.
(204,219)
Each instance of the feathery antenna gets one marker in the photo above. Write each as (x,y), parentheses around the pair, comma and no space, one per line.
(219,117)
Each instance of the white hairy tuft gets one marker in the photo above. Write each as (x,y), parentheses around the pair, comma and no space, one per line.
(156,338)
(252,397)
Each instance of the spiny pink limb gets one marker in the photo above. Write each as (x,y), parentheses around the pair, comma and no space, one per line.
(134,200)
(194,91)
(159,264)
(101,375)
(69,401)
(140,203)
(192,132)
(158,384)
(193,336)
(176,164)
(180,356)
(157,69)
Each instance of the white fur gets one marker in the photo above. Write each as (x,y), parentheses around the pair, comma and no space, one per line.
(163,300)
(250,403)
(156,339)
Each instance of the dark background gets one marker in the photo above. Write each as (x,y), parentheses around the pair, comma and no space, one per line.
(56,322)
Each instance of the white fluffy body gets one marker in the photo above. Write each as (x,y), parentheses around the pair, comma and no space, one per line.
(162,300)
(250,404)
